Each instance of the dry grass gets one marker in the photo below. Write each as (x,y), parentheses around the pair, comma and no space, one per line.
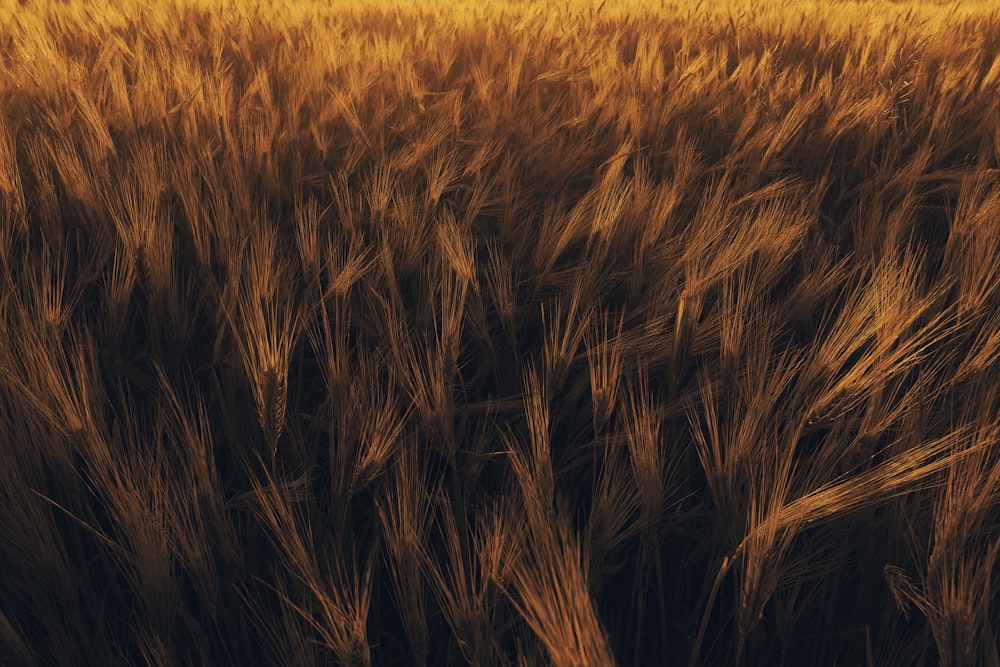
(576,334)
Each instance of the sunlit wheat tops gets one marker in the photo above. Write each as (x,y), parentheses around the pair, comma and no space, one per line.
(443,333)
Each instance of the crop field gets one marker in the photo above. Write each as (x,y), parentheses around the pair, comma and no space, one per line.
(499,333)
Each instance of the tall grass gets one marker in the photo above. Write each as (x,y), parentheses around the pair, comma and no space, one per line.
(592,334)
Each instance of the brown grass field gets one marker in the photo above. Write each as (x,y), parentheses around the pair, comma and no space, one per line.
(513,333)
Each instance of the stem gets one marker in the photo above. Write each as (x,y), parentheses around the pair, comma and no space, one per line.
(641,606)
(662,601)
(696,648)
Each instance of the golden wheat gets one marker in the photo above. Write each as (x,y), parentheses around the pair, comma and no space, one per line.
(580,334)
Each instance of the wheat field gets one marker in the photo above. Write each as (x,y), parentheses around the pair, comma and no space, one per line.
(573,334)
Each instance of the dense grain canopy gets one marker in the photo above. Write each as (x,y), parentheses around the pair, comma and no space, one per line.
(579,333)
